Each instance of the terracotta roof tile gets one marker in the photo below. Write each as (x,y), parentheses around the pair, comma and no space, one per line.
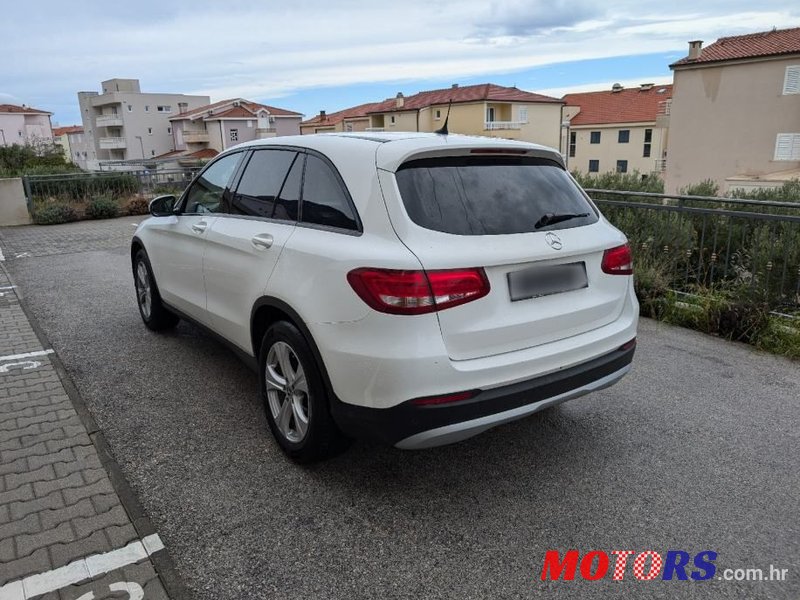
(248,110)
(631,105)
(355,112)
(468,93)
(204,153)
(59,131)
(764,43)
(13,108)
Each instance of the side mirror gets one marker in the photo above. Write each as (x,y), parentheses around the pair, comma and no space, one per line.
(163,206)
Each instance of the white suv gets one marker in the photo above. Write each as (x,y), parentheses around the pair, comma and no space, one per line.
(415,289)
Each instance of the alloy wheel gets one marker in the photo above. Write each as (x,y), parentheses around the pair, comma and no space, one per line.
(287,392)
(144,293)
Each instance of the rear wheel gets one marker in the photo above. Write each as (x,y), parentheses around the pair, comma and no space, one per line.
(154,314)
(294,396)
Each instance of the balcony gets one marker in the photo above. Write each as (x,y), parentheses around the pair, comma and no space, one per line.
(196,137)
(112,143)
(109,121)
(265,132)
(374,129)
(664,110)
(494,125)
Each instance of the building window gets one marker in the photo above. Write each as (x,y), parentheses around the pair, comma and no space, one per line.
(791,81)
(490,114)
(523,114)
(250,124)
(648,141)
(624,136)
(152,152)
(392,120)
(130,108)
(594,166)
(594,137)
(146,108)
(573,142)
(622,166)
(165,108)
(438,114)
(234,135)
(787,146)
(149,131)
(169,129)
(348,127)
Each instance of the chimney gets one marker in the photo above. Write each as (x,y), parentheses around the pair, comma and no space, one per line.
(695,49)
(617,87)
(646,86)
(400,100)
(322,115)
(454,86)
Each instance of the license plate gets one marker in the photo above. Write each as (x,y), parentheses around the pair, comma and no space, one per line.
(547,280)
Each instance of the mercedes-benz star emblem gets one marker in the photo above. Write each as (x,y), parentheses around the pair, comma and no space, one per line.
(553,240)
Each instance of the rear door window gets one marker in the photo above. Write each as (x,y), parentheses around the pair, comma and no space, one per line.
(325,201)
(260,184)
(478,195)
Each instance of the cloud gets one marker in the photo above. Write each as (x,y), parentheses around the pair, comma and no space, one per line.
(558,92)
(525,17)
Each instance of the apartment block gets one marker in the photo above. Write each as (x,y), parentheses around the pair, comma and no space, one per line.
(485,109)
(735,114)
(618,130)
(24,125)
(125,124)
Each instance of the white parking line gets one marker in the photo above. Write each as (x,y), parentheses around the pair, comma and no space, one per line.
(79,570)
(25,355)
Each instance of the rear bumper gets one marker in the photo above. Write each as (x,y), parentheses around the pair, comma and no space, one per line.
(412,426)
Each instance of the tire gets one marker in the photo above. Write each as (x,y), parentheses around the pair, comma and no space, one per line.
(300,418)
(154,314)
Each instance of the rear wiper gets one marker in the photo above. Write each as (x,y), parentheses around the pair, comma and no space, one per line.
(551,218)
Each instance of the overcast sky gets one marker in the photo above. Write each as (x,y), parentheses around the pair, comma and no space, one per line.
(308,55)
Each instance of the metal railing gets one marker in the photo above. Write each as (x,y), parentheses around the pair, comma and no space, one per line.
(493,125)
(742,246)
(121,186)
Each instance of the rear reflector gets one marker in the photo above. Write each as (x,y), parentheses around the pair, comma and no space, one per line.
(417,292)
(444,399)
(618,261)
(628,345)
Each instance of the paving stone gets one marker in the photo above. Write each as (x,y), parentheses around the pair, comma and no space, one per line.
(60,534)
(66,553)
(64,455)
(19,465)
(115,516)
(79,440)
(44,473)
(103,486)
(122,535)
(104,502)
(51,518)
(43,488)
(7,552)
(36,562)
(49,502)
(24,492)
(29,524)
(64,469)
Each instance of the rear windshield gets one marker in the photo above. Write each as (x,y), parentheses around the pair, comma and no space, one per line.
(479,195)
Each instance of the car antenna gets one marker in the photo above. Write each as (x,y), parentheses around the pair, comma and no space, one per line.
(443,130)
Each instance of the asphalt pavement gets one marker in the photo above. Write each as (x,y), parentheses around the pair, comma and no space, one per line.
(697,449)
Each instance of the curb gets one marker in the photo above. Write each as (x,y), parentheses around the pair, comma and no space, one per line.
(162,561)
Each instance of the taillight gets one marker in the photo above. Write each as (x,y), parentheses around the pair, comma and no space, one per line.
(618,261)
(417,292)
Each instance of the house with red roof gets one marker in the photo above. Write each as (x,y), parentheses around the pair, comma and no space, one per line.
(229,122)
(485,109)
(24,125)
(73,143)
(619,130)
(735,112)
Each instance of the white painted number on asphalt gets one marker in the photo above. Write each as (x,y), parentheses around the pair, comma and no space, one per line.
(134,590)
(25,364)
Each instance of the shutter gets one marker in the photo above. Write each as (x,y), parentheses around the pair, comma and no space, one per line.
(791,83)
(787,146)
(523,114)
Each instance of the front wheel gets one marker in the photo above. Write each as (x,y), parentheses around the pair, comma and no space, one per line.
(294,396)
(153,312)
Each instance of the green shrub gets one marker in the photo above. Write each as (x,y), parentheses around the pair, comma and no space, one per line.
(707,187)
(39,158)
(102,207)
(53,214)
(780,336)
(76,188)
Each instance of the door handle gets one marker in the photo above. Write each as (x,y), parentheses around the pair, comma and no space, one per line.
(199,227)
(262,241)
